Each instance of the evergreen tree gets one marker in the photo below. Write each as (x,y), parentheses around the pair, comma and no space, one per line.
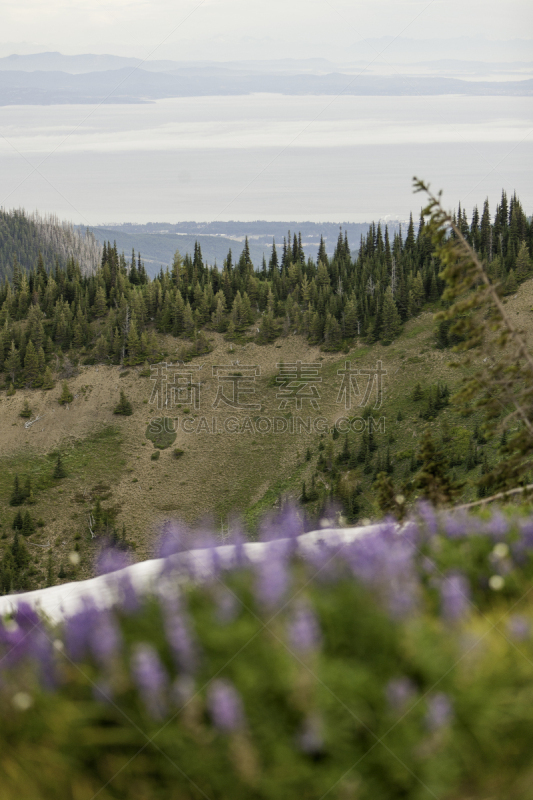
(432,480)
(27,525)
(48,379)
(17,495)
(17,522)
(391,322)
(12,363)
(26,410)
(59,470)
(31,365)
(124,406)
(66,396)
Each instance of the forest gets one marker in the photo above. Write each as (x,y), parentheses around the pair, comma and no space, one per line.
(113,314)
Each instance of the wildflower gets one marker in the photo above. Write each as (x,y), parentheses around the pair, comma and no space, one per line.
(496,583)
(399,692)
(440,711)
(310,739)
(110,559)
(500,550)
(272,576)
(150,677)
(22,701)
(225,706)
(178,635)
(304,632)
(455,596)
(518,627)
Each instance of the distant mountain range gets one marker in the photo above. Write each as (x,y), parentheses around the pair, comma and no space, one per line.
(157,242)
(54,78)
(136,85)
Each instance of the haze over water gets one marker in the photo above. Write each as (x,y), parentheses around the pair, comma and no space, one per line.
(263,157)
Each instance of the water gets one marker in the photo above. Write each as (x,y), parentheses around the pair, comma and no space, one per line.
(263,157)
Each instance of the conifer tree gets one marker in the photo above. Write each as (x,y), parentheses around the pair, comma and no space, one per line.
(17,521)
(17,495)
(59,470)
(31,365)
(27,525)
(391,322)
(124,406)
(26,410)
(432,480)
(12,362)
(66,395)
(48,379)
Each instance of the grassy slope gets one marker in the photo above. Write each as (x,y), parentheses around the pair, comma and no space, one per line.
(218,474)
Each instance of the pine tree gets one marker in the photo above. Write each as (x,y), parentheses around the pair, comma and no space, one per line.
(17,522)
(432,480)
(12,363)
(66,396)
(27,525)
(31,365)
(48,379)
(391,322)
(384,489)
(17,495)
(124,406)
(26,410)
(59,470)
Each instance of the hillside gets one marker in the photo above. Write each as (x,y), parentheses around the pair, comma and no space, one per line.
(109,457)
(223,430)
(23,236)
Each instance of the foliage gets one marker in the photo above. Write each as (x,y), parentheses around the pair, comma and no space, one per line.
(66,395)
(124,406)
(393,666)
(501,382)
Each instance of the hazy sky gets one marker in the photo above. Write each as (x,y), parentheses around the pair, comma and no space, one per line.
(232,28)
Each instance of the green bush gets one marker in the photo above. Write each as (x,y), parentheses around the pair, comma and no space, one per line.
(398,666)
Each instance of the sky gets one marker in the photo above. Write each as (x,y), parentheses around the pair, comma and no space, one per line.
(229,29)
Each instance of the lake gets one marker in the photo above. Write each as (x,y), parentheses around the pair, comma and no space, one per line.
(263,157)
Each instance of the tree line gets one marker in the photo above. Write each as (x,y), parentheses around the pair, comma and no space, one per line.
(114,314)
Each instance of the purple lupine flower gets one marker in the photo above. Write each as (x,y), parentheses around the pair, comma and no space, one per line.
(426,511)
(456,525)
(177,632)
(111,559)
(104,638)
(454,596)
(272,576)
(150,677)
(518,627)
(78,629)
(239,557)
(399,693)
(25,637)
(310,739)
(172,540)
(304,631)
(498,525)
(227,605)
(385,562)
(129,600)
(225,706)
(440,711)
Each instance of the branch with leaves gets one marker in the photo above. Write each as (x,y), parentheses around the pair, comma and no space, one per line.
(502,380)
